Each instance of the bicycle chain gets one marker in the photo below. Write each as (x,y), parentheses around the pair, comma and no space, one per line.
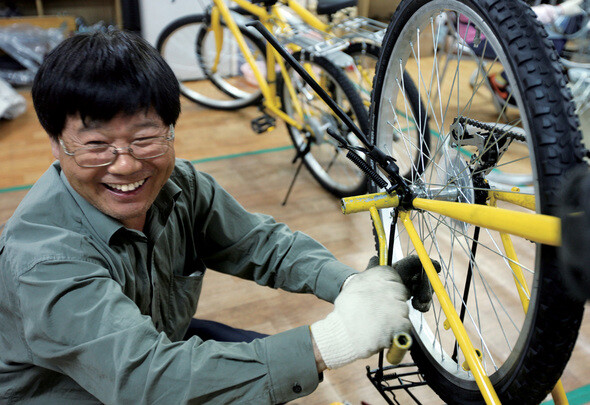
(491,128)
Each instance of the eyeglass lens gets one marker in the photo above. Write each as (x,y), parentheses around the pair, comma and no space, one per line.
(106,154)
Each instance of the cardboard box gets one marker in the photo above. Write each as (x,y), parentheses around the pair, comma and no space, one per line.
(43,21)
(380,10)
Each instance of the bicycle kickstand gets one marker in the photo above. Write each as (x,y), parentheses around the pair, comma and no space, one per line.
(298,156)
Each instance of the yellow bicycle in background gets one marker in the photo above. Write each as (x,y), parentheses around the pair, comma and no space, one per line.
(208,51)
(223,51)
(222,64)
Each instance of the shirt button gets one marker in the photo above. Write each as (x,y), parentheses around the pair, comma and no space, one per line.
(297,388)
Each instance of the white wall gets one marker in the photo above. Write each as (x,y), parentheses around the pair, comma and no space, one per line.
(156,14)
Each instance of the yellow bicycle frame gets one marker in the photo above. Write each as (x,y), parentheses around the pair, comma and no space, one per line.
(268,17)
(535,227)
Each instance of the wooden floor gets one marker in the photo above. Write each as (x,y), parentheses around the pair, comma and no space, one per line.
(257,170)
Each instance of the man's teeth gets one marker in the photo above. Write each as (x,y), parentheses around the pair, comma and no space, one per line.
(127,187)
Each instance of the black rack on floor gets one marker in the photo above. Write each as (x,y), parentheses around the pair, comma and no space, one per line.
(388,379)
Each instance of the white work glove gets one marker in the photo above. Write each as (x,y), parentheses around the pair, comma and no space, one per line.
(368,313)
(570,8)
(548,13)
(414,278)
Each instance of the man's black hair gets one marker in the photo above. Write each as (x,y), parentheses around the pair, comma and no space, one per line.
(99,75)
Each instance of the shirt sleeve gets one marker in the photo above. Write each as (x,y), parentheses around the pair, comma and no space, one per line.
(77,321)
(256,247)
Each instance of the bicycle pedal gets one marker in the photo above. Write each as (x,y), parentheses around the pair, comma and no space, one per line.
(262,124)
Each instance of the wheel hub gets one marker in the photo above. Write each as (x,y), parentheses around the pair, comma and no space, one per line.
(454,175)
(319,127)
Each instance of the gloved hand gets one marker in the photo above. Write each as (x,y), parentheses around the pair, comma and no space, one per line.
(416,281)
(548,13)
(414,278)
(368,313)
(571,8)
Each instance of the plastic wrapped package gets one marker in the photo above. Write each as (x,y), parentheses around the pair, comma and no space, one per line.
(12,104)
(27,45)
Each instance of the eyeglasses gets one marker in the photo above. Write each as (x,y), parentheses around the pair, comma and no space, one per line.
(104,155)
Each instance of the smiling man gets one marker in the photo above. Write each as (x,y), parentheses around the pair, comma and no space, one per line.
(119,180)
(101,265)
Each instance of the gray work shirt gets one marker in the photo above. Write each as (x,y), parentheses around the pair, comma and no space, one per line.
(92,311)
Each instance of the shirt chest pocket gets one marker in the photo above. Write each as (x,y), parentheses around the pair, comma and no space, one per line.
(180,273)
(182,302)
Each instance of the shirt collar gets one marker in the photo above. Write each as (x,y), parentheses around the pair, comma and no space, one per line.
(167,197)
(106,226)
(102,224)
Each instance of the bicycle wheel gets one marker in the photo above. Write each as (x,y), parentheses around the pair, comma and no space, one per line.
(188,46)
(524,355)
(366,57)
(326,162)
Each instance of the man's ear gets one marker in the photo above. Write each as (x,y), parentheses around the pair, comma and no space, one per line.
(55,147)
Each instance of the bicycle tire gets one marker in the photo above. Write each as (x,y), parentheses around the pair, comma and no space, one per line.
(325,161)
(246,91)
(366,57)
(197,82)
(524,355)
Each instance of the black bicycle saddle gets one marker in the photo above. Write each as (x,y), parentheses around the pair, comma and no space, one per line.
(265,3)
(331,6)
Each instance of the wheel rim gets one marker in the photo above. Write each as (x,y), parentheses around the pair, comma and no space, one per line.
(495,322)
(233,75)
(224,90)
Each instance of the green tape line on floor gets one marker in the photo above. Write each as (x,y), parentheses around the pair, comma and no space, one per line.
(210,159)
(579,396)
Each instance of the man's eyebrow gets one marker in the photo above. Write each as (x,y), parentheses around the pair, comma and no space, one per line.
(147,124)
(94,125)
(90,126)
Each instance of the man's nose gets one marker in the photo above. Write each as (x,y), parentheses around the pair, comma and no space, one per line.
(124,163)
